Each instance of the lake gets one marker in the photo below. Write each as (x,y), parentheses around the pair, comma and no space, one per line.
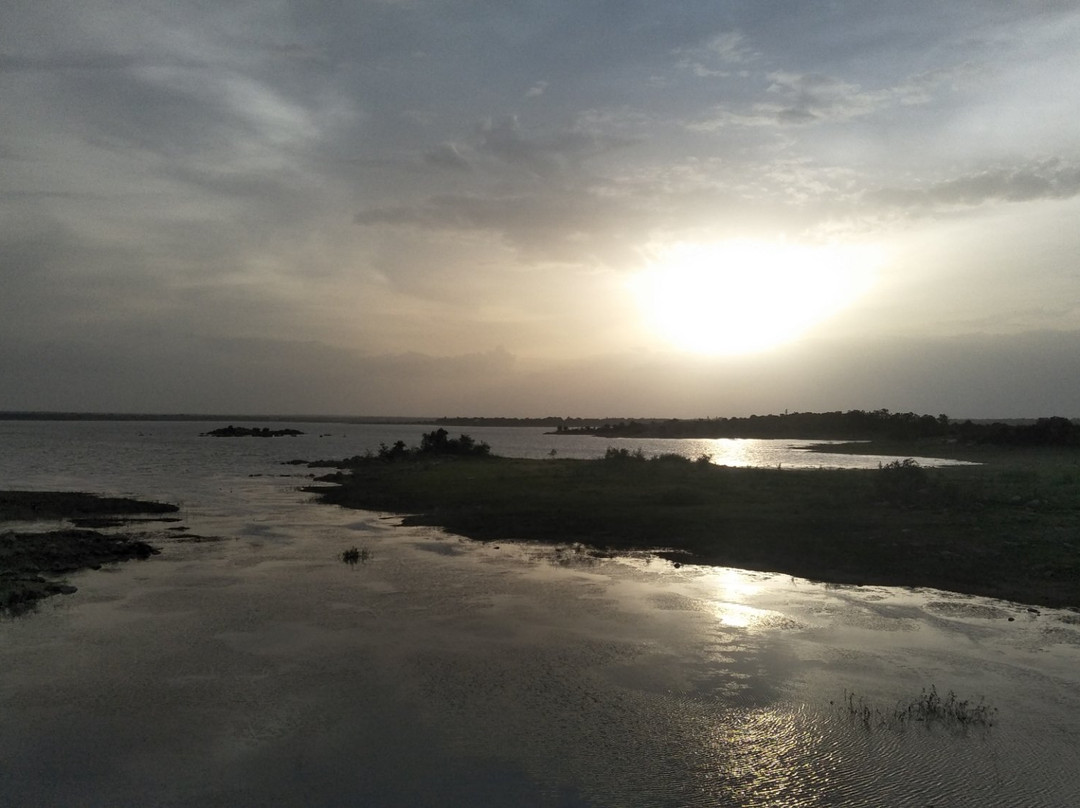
(248,665)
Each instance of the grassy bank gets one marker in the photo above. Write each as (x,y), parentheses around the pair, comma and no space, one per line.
(32,563)
(1009,531)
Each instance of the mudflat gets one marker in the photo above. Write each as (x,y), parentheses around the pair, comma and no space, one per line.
(32,563)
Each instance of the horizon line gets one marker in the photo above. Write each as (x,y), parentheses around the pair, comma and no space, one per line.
(79,415)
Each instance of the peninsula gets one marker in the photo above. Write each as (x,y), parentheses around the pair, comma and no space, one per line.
(1006,528)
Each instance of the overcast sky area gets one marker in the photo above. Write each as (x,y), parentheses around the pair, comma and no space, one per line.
(565,207)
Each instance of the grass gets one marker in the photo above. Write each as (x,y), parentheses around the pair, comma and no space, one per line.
(930,708)
(355,555)
(1008,530)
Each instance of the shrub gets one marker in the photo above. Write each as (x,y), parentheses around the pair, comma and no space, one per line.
(623,455)
(397,451)
(672,458)
(901,481)
(439,442)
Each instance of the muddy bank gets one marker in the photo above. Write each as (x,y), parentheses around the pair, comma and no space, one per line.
(32,562)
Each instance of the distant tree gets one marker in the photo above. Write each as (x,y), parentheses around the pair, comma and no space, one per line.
(439,442)
(396,452)
(901,481)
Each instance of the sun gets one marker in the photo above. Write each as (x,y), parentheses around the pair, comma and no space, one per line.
(741,297)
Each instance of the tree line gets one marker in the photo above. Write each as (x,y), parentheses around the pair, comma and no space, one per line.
(850,425)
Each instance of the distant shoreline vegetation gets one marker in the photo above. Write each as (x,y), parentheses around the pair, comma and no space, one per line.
(850,425)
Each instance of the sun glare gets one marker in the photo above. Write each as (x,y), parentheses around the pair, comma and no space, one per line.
(740,297)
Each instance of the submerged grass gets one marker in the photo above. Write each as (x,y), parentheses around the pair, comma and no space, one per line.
(1009,531)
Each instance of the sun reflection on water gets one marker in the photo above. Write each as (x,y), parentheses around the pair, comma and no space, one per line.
(736,584)
(768,757)
(735,615)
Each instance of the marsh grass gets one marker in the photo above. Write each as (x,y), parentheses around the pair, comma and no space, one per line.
(929,708)
(356,555)
(984,530)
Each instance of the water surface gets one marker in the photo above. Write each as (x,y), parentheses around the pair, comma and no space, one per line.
(252,667)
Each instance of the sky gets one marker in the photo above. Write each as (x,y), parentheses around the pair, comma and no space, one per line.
(568,207)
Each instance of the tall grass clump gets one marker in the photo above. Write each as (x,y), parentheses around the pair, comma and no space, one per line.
(356,555)
(929,708)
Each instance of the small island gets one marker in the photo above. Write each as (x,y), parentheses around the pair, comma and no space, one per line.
(250,432)
(1006,528)
(32,563)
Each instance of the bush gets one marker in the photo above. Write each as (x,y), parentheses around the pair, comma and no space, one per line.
(623,455)
(439,442)
(396,452)
(902,481)
(672,458)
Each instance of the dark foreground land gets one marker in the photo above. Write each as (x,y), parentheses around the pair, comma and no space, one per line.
(1009,528)
(31,562)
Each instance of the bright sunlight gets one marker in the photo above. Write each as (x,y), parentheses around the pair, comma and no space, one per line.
(739,297)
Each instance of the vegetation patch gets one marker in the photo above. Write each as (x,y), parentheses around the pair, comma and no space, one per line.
(971,529)
(250,432)
(929,708)
(905,427)
(356,555)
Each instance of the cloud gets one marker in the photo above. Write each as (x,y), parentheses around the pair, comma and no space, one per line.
(387,178)
(717,57)
(1047,179)
(552,224)
(813,98)
(504,140)
(16,63)
(979,376)
(447,155)
(146,370)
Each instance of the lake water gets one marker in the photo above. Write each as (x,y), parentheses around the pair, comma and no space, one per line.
(248,666)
